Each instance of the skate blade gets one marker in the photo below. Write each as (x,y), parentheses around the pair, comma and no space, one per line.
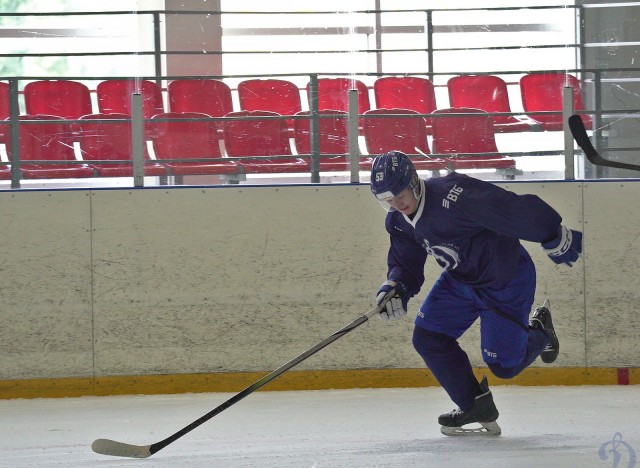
(485,429)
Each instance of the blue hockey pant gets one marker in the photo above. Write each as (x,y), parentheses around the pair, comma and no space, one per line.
(507,343)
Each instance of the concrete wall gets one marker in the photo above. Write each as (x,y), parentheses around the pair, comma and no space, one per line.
(241,279)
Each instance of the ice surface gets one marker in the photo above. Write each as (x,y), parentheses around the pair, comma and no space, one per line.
(542,427)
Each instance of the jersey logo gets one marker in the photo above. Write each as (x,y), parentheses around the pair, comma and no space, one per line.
(490,354)
(446,257)
(452,196)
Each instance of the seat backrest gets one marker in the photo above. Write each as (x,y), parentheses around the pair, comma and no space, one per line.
(470,132)
(543,91)
(404,132)
(206,96)
(106,140)
(333,94)
(48,139)
(405,92)
(273,95)
(64,98)
(255,137)
(114,97)
(186,138)
(486,92)
(4,100)
(334,132)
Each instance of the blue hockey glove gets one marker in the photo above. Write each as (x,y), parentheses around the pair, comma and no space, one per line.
(566,247)
(397,306)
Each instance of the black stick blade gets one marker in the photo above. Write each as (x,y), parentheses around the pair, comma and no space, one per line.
(119,449)
(579,132)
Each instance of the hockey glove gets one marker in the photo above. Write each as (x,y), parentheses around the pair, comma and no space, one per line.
(566,247)
(397,306)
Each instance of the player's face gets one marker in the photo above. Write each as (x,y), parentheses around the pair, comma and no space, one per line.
(405,202)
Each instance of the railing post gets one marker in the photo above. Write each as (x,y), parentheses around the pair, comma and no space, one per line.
(157,45)
(567,111)
(137,139)
(14,136)
(598,135)
(354,150)
(430,44)
(314,128)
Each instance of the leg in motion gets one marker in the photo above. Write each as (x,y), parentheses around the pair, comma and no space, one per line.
(541,341)
(541,320)
(451,367)
(483,411)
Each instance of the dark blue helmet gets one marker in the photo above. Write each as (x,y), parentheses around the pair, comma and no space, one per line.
(391,173)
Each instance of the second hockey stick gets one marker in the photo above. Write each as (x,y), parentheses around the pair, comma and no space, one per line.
(121,449)
(579,133)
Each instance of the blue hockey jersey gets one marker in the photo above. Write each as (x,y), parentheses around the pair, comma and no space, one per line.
(472,228)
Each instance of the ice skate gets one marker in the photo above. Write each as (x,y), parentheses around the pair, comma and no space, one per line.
(482,416)
(541,319)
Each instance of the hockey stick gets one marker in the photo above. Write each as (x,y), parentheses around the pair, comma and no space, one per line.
(120,449)
(580,135)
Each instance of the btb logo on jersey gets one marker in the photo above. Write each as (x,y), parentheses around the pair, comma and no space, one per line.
(452,196)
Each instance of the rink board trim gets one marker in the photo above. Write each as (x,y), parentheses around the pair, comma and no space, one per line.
(297,380)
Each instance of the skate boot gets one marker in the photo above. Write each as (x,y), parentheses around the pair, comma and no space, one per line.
(483,412)
(541,319)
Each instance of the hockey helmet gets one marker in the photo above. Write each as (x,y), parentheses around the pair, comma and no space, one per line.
(391,173)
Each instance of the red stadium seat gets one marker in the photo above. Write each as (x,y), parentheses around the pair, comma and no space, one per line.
(114,97)
(488,93)
(4,100)
(460,136)
(543,92)
(64,98)
(334,140)
(333,94)
(264,134)
(273,95)
(402,130)
(405,92)
(205,96)
(111,141)
(4,109)
(190,139)
(49,138)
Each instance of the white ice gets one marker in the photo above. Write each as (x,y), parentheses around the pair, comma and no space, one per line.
(542,427)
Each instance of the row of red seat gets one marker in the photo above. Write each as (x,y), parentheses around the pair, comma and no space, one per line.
(541,92)
(463,138)
(384,129)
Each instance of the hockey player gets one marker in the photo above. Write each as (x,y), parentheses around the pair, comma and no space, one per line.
(473,230)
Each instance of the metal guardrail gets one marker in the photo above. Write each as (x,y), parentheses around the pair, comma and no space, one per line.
(429,28)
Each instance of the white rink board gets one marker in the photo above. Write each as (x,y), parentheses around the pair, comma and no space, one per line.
(223,279)
(45,284)
(612,253)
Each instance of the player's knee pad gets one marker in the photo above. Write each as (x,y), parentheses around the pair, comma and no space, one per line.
(504,372)
(428,343)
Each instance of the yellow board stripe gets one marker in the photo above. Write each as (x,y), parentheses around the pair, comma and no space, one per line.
(234,382)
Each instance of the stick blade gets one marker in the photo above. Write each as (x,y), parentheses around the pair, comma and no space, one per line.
(120,449)
(579,132)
